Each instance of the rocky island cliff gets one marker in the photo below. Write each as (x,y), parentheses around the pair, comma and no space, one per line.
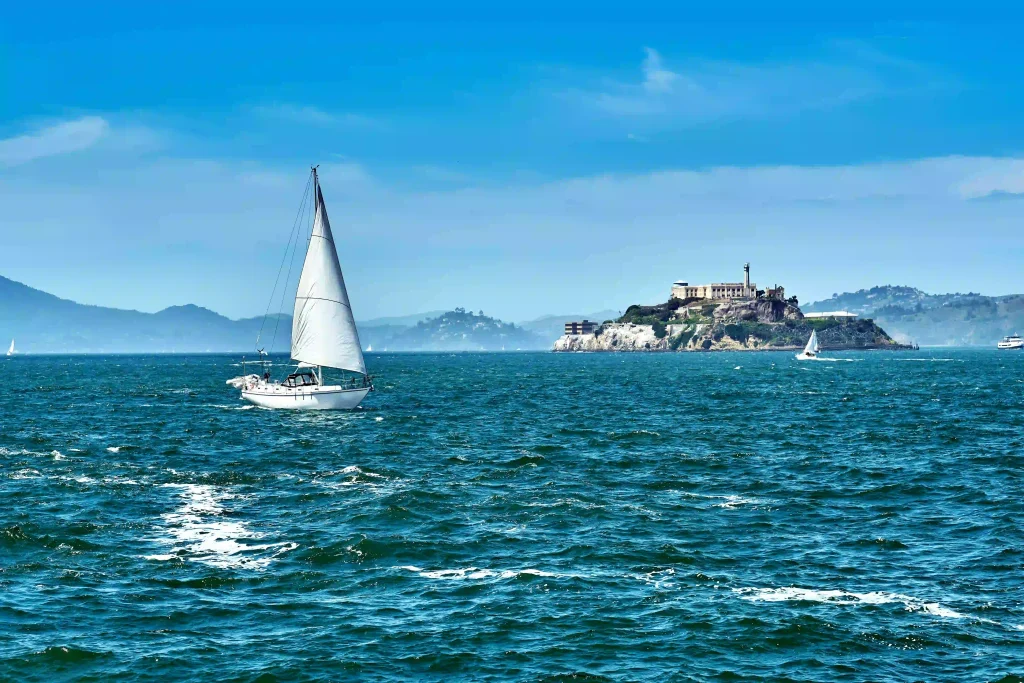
(736,325)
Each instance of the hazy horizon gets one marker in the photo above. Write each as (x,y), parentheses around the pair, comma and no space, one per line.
(151,158)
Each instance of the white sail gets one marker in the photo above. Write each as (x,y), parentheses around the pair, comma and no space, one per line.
(812,343)
(323,329)
(10,351)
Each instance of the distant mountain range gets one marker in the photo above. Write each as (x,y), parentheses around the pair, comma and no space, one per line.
(44,323)
(910,315)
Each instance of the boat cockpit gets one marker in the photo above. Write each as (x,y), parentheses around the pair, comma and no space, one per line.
(302,378)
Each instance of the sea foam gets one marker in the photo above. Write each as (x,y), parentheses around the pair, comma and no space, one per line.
(842,597)
(198,532)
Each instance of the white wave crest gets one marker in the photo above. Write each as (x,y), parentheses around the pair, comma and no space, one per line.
(659,578)
(841,597)
(17,451)
(729,501)
(198,532)
(474,573)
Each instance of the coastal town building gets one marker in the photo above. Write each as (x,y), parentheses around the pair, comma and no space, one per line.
(719,290)
(581,327)
(825,315)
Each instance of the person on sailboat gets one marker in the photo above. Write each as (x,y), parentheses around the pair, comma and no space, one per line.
(810,351)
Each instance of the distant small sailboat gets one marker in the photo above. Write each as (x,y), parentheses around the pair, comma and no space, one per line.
(11,351)
(369,348)
(810,351)
(324,333)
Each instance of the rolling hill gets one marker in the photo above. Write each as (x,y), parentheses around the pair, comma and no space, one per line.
(44,323)
(910,315)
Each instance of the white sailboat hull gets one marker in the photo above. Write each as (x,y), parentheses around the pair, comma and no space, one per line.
(803,355)
(280,397)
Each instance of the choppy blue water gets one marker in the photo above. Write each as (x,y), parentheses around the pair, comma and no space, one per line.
(526,517)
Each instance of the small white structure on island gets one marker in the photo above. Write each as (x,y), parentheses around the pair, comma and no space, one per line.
(838,315)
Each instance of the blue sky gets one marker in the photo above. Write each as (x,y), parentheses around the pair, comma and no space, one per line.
(521,161)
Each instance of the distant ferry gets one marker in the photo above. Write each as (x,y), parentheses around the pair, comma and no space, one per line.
(1014,341)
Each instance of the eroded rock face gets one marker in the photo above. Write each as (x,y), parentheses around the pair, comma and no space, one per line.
(761,310)
(614,337)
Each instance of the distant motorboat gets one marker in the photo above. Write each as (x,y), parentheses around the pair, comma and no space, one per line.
(810,351)
(11,351)
(323,333)
(1013,342)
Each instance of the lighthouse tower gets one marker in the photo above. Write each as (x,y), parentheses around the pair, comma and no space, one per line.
(746,276)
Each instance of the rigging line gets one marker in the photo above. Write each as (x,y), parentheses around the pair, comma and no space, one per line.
(292,245)
(291,236)
(291,262)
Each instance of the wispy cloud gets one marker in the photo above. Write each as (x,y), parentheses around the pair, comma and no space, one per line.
(698,90)
(309,115)
(166,216)
(59,138)
(442,174)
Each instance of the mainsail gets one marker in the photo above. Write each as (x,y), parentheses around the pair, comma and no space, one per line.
(10,351)
(323,329)
(812,343)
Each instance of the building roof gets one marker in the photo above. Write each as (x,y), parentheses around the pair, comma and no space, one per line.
(830,314)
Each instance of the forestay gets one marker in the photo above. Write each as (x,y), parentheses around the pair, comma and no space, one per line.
(323,329)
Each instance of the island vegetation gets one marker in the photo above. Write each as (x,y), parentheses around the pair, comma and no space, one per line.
(462,330)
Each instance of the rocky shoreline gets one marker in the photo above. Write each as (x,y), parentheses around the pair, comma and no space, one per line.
(757,325)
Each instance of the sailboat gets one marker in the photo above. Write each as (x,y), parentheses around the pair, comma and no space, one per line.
(810,351)
(11,351)
(324,333)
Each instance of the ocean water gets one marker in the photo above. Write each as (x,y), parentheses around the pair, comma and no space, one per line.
(518,517)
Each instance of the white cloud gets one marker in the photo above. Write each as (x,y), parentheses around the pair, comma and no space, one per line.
(699,90)
(59,138)
(193,230)
(657,79)
(309,115)
(996,176)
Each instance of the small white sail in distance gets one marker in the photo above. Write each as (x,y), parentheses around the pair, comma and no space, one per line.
(323,329)
(10,351)
(812,344)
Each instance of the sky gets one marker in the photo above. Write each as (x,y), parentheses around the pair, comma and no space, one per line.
(526,160)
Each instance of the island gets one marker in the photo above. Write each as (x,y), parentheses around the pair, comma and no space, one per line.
(724,317)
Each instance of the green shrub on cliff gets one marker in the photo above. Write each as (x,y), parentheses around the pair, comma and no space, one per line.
(737,332)
(681,339)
